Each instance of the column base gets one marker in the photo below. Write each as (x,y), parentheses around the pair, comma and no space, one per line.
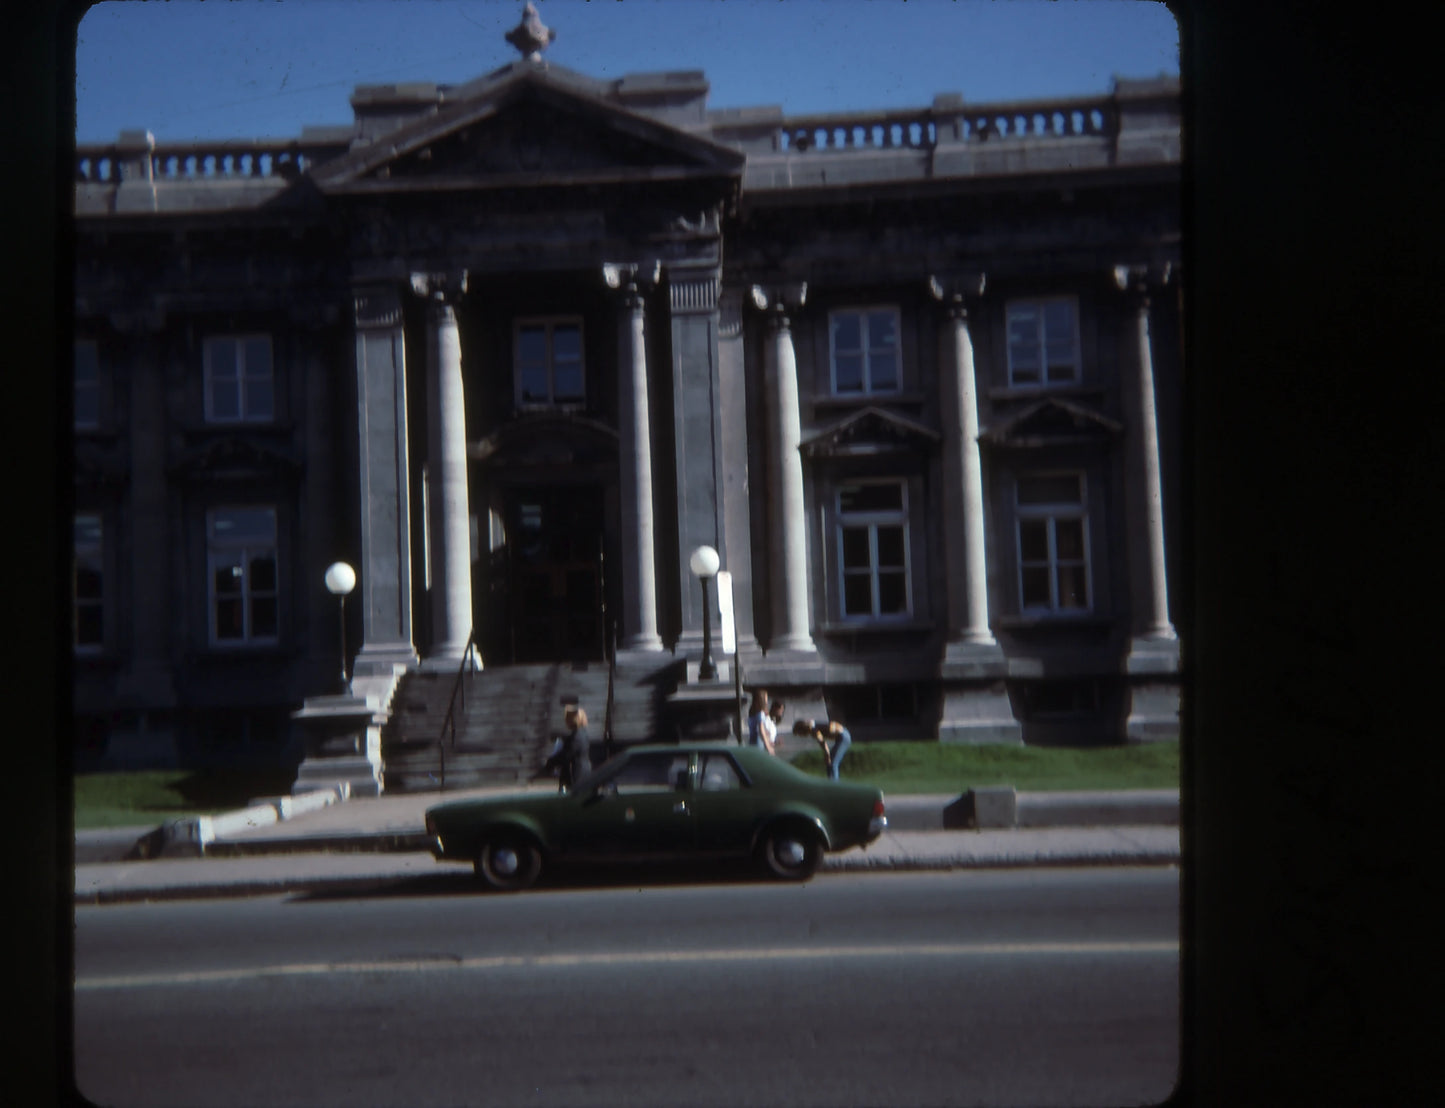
(450,660)
(640,643)
(1153,713)
(973,660)
(343,744)
(979,713)
(1149,655)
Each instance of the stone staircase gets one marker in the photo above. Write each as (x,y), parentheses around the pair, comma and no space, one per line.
(507,716)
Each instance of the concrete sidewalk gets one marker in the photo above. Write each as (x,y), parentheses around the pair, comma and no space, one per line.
(320,841)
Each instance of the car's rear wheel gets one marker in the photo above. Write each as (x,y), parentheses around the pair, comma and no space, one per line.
(792,852)
(508,862)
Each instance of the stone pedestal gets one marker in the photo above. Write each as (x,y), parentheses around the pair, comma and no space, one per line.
(343,745)
(1153,674)
(976,706)
(704,710)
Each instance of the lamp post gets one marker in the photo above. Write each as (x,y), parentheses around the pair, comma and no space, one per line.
(704,564)
(340,580)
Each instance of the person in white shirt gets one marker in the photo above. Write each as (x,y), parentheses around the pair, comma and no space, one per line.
(762,731)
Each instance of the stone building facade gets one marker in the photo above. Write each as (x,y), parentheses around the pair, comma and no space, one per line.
(514,349)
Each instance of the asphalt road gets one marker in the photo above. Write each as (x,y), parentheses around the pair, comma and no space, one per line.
(999,987)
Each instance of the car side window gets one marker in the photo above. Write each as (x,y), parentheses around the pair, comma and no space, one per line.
(652,773)
(718,774)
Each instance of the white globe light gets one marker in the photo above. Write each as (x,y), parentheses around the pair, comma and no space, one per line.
(340,579)
(704,561)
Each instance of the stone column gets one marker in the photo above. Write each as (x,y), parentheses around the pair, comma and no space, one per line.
(962,472)
(1152,664)
(975,707)
(449,525)
(1150,591)
(787,518)
(385,508)
(639,565)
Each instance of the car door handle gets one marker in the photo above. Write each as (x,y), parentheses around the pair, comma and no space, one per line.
(680,806)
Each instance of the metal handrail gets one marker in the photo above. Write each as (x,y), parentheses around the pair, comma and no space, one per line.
(611,684)
(449,723)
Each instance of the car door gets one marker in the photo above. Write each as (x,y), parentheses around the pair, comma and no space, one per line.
(644,809)
(725,806)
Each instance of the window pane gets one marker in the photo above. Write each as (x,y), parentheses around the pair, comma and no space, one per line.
(1073,591)
(1036,588)
(892,593)
(1033,540)
(532,345)
(260,403)
(263,617)
(88,582)
(1054,489)
(87,531)
(89,630)
(890,547)
(229,624)
(847,333)
(534,384)
(718,774)
(848,372)
(227,579)
(222,357)
(225,400)
(883,371)
(567,381)
(857,594)
(882,330)
(856,554)
(567,343)
(258,356)
(248,524)
(871,498)
(263,574)
(1059,320)
(1069,539)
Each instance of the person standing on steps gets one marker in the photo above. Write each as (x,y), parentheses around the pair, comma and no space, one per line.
(577,746)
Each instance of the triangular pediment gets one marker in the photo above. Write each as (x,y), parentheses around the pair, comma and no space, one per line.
(1052,422)
(871,431)
(527,130)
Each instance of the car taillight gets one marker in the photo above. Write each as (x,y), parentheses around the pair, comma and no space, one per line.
(431,826)
(878,807)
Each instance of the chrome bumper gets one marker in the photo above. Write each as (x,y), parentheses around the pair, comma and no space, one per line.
(876,826)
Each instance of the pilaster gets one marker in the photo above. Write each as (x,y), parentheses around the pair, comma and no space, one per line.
(385,509)
(693,304)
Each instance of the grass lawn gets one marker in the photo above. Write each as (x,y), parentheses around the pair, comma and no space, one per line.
(154,796)
(930,767)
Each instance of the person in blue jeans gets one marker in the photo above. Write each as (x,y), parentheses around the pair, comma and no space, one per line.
(822,733)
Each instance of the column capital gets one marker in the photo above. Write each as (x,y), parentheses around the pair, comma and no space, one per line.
(376,306)
(955,288)
(1139,279)
(440,288)
(631,279)
(778,301)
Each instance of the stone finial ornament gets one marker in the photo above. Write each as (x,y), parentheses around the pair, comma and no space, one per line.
(530,36)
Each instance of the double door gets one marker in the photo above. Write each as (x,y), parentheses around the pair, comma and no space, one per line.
(555,542)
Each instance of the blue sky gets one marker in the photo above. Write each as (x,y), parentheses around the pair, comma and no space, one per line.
(266,68)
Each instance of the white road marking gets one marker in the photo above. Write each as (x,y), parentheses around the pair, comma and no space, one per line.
(625,958)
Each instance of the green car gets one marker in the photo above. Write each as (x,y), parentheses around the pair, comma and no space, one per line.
(703,800)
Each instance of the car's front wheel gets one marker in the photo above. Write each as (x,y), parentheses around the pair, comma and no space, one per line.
(792,852)
(508,862)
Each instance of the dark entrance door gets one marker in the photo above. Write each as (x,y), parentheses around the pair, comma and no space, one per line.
(555,536)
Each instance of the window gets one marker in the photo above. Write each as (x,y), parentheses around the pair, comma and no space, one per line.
(240,387)
(651,773)
(88,587)
(718,774)
(863,345)
(870,703)
(873,550)
(1053,543)
(1043,342)
(243,580)
(87,387)
(1061,699)
(549,362)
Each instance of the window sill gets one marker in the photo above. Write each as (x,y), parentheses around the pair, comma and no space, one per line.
(1034,392)
(1051,621)
(875,626)
(866,399)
